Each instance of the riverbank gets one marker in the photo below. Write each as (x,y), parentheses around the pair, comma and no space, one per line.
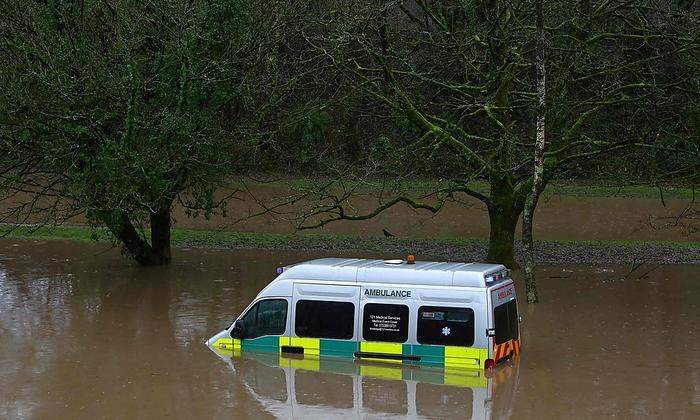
(454,249)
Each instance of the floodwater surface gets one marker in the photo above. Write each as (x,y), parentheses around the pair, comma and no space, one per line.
(84,334)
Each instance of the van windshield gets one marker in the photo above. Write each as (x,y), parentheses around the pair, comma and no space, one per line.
(506,322)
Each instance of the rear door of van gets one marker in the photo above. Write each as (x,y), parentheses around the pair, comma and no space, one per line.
(505,339)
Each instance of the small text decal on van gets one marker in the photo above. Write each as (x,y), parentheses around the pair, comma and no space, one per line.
(506,293)
(391,293)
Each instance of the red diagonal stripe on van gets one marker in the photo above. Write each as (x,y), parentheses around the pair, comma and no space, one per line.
(505,349)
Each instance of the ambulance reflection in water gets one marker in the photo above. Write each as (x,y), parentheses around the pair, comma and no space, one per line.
(289,386)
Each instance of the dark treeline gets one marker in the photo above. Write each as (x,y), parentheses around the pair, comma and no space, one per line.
(618,59)
(120,110)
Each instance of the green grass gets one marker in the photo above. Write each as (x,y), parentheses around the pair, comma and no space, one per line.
(75,233)
(227,239)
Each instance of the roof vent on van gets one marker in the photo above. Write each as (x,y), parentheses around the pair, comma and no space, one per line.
(393,262)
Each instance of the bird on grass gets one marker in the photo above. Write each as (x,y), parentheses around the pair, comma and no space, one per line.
(387,233)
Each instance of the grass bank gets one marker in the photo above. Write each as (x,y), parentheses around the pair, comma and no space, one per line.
(458,249)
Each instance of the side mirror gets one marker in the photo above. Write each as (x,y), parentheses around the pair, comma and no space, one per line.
(238,330)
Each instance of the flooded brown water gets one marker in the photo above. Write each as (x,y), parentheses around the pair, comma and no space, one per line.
(83,334)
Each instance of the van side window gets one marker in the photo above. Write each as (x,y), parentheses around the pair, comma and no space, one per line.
(506,322)
(446,326)
(322,319)
(267,317)
(384,322)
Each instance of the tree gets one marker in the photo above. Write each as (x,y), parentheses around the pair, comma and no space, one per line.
(118,110)
(461,77)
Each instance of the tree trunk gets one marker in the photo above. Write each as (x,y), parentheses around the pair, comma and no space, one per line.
(538,176)
(160,236)
(529,250)
(119,223)
(505,205)
(502,235)
(135,245)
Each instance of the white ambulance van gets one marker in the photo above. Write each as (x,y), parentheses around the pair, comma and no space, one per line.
(456,315)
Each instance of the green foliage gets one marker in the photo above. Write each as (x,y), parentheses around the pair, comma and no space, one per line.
(123,108)
(619,74)
(382,145)
(621,77)
(311,134)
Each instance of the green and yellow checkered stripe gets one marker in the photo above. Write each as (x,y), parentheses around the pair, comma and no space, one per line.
(452,357)
(459,366)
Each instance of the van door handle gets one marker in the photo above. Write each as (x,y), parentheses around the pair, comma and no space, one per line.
(292,349)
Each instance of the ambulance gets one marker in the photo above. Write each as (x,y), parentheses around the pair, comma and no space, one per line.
(455,315)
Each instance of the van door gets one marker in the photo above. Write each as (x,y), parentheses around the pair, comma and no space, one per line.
(384,327)
(265,323)
(506,340)
(324,320)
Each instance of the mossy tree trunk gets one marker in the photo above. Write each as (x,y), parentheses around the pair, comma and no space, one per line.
(505,206)
(502,236)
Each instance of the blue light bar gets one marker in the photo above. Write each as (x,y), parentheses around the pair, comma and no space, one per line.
(280,270)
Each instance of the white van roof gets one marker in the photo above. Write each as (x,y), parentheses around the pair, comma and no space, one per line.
(357,270)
